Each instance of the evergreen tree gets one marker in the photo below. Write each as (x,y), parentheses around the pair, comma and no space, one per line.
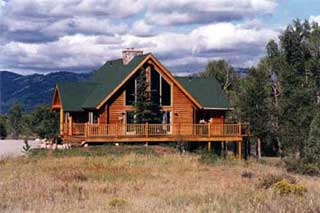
(297,98)
(44,122)
(3,131)
(274,62)
(15,119)
(311,149)
(255,103)
(146,111)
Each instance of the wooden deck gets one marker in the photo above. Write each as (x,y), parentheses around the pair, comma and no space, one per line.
(86,133)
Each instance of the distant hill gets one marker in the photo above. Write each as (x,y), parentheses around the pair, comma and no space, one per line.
(32,90)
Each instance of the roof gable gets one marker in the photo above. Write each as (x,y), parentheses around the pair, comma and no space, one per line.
(204,93)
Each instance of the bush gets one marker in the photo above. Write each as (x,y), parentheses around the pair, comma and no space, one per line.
(298,166)
(269,180)
(117,202)
(209,158)
(283,187)
(247,174)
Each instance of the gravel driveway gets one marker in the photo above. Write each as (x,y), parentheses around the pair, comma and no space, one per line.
(11,148)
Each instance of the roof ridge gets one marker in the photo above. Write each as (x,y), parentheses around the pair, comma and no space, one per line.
(120,59)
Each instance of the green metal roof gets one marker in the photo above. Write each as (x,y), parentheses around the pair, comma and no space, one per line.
(207,91)
(74,94)
(108,77)
(80,95)
(84,95)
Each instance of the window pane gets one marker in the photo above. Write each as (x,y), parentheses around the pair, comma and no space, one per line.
(166,93)
(130,117)
(130,92)
(166,117)
(155,87)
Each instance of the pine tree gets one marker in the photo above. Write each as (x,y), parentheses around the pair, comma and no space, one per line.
(146,111)
(15,119)
(311,149)
(45,123)
(255,103)
(297,99)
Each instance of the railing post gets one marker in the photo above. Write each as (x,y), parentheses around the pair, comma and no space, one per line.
(70,125)
(209,129)
(240,129)
(146,129)
(85,129)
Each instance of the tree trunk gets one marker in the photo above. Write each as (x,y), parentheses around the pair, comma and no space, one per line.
(259,149)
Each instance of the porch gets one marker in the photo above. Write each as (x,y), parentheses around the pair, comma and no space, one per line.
(88,132)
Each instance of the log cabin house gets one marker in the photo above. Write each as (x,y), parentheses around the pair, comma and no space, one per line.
(102,109)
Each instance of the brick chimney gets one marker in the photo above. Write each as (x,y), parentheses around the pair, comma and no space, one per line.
(129,53)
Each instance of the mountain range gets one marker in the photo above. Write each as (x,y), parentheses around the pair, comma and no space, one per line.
(32,90)
(35,89)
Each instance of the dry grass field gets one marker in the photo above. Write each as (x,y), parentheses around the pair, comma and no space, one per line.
(145,179)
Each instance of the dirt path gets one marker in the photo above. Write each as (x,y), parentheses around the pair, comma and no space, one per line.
(11,148)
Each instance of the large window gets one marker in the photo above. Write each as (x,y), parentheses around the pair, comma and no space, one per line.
(131,93)
(165,93)
(161,90)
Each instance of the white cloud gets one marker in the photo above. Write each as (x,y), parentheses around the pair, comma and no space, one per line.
(85,25)
(234,42)
(173,12)
(140,28)
(315,19)
(47,35)
(62,8)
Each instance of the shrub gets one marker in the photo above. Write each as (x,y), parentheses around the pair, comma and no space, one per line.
(117,202)
(209,158)
(247,174)
(283,187)
(267,181)
(298,166)
(26,147)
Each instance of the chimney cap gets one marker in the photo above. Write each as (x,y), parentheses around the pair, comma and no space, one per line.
(129,53)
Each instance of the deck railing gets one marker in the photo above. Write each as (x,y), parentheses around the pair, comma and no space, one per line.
(150,130)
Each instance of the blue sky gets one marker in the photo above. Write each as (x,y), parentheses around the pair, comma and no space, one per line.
(41,36)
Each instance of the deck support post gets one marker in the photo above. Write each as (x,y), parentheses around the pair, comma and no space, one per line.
(239,150)
(209,146)
(225,149)
(70,125)
(86,130)
(61,122)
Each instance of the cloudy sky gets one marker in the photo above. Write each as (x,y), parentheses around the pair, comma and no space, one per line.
(80,35)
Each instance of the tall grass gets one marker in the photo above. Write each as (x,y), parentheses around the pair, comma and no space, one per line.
(141,179)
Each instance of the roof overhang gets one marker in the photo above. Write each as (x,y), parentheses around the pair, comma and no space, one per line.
(56,96)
